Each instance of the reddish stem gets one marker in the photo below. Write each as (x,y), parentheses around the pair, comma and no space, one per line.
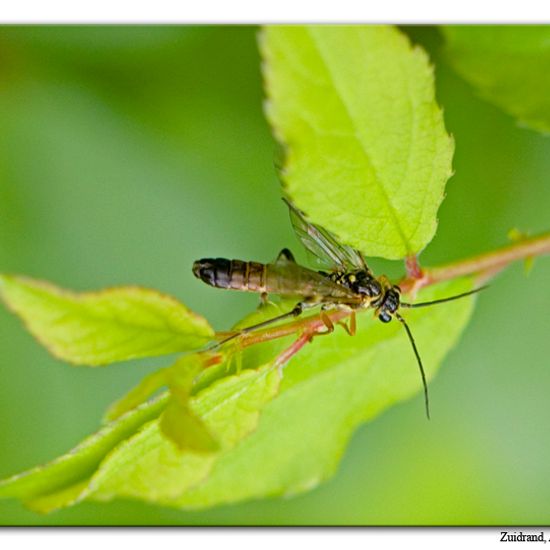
(213,360)
(484,265)
(414,271)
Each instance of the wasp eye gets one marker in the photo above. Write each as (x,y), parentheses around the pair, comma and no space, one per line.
(384,317)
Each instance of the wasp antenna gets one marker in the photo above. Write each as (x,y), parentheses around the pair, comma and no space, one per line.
(449,299)
(419,361)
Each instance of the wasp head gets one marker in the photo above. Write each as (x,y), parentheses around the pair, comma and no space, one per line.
(389,305)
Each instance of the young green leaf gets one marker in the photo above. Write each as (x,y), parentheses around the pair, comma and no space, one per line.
(78,465)
(137,395)
(179,378)
(98,328)
(508,65)
(147,465)
(329,388)
(186,430)
(67,496)
(178,422)
(367,154)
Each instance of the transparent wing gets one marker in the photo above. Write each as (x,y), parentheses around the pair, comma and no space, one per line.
(323,244)
(288,278)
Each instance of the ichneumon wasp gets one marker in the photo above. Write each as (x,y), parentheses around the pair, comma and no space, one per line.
(348,284)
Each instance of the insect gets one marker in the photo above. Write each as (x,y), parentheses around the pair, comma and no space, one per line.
(348,284)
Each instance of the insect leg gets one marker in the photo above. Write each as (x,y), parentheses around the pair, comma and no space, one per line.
(327,322)
(352,328)
(295,312)
(264,299)
(285,255)
(352,324)
(294,348)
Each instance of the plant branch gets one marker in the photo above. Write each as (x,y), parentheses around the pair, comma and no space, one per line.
(485,265)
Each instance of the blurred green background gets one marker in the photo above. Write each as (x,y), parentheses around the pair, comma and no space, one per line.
(128,152)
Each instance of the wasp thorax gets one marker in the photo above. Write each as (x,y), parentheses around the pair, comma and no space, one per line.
(363,282)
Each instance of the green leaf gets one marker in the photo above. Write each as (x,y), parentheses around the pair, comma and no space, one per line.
(137,395)
(333,385)
(147,465)
(178,422)
(328,389)
(508,65)
(367,154)
(98,328)
(186,430)
(58,479)
(179,377)
(59,499)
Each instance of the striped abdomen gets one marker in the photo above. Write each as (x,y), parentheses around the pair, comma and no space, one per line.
(234,274)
